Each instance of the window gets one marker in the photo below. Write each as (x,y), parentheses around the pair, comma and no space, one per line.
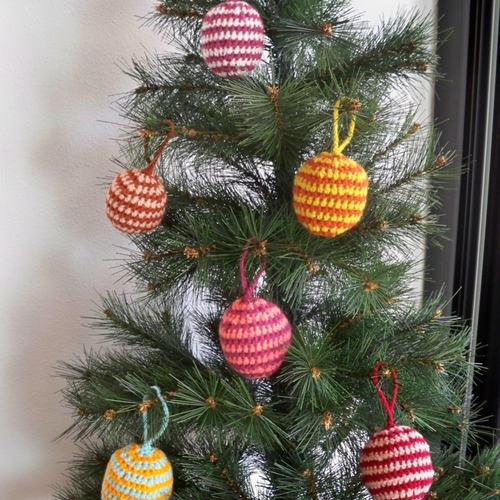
(469,100)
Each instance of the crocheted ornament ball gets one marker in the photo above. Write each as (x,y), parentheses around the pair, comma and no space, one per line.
(254,333)
(140,471)
(329,194)
(132,474)
(254,336)
(396,464)
(232,38)
(136,201)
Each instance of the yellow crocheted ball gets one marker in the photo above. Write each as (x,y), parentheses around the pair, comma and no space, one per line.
(329,194)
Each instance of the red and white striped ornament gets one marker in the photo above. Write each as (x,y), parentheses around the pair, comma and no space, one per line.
(136,200)
(395,462)
(232,38)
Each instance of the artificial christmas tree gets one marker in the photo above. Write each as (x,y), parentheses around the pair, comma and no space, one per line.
(350,302)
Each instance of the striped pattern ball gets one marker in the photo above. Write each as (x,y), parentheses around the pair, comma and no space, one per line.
(232,38)
(254,336)
(396,464)
(133,473)
(136,201)
(329,194)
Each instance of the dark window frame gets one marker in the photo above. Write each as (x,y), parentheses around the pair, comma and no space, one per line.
(470,261)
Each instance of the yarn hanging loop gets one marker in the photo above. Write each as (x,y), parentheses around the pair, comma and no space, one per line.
(388,406)
(337,149)
(147,444)
(248,289)
(151,163)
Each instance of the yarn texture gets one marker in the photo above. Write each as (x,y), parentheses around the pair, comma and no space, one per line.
(254,333)
(329,194)
(330,190)
(232,38)
(136,200)
(140,471)
(395,462)
(132,474)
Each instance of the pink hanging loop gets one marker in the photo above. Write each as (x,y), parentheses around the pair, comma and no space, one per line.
(248,290)
(389,407)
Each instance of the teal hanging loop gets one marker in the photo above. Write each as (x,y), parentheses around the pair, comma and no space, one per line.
(147,446)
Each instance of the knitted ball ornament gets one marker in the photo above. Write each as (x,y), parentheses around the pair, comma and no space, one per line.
(232,38)
(136,199)
(139,471)
(330,190)
(395,462)
(254,333)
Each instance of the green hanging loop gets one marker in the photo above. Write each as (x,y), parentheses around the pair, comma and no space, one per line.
(147,446)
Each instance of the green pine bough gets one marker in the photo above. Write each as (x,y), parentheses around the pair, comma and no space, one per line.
(229,173)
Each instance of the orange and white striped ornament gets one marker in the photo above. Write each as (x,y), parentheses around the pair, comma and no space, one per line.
(136,200)
(330,190)
(395,463)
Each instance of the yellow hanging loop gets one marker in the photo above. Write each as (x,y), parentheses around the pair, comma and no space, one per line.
(350,130)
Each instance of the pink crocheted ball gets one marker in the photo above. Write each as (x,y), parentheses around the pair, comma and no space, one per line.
(232,38)
(396,464)
(254,336)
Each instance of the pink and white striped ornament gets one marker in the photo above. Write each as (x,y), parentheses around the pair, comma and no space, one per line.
(232,38)
(395,463)
(253,332)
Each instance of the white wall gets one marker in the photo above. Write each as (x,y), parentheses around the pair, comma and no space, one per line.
(58,74)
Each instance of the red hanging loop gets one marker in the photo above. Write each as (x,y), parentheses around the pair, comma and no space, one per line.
(389,407)
(248,289)
(151,165)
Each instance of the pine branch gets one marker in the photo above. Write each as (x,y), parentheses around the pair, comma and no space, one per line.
(437,164)
(224,474)
(311,487)
(398,50)
(393,145)
(143,89)
(181,13)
